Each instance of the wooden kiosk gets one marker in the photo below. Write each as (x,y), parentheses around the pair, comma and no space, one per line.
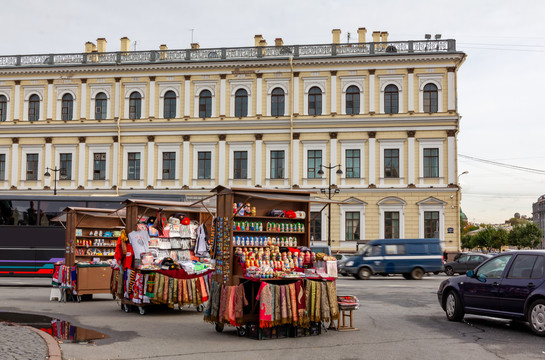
(91,235)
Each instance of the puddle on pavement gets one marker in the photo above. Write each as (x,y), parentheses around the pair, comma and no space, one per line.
(60,329)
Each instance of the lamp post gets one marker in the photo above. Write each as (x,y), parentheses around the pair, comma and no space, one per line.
(47,174)
(329,187)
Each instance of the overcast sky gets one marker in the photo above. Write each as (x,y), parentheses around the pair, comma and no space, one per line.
(500,86)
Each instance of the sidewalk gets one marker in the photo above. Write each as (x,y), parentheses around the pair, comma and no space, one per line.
(26,343)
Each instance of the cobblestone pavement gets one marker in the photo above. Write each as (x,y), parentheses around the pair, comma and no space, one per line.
(21,343)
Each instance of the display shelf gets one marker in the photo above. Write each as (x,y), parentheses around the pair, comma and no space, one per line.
(238,218)
(270,232)
(100,246)
(94,256)
(95,237)
(118,227)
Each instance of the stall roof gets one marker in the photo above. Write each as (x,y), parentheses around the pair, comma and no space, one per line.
(168,205)
(287,197)
(220,188)
(97,212)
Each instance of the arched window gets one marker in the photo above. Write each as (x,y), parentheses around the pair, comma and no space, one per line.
(101,106)
(67,107)
(135,105)
(34,108)
(169,110)
(277,102)
(205,104)
(430,98)
(241,103)
(352,100)
(391,99)
(315,101)
(3,108)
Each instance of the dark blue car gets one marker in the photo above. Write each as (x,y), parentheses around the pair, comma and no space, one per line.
(510,285)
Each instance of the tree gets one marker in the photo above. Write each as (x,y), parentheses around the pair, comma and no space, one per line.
(528,235)
(490,238)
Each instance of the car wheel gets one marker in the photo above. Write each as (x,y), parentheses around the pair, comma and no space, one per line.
(453,306)
(417,274)
(536,317)
(449,271)
(364,273)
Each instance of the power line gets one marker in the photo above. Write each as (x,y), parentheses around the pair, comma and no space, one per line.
(509,166)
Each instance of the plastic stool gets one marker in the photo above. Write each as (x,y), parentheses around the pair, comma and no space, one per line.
(55,294)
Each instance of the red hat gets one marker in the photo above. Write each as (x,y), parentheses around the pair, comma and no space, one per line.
(186,221)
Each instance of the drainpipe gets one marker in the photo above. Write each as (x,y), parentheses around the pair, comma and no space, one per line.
(119,155)
(292,96)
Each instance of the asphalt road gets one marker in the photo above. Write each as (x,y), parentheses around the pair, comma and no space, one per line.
(398,319)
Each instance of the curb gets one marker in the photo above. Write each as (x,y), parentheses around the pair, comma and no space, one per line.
(53,348)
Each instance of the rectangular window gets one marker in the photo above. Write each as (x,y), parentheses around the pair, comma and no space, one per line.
(277,164)
(99,166)
(66,166)
(353,163)
(391,225)
(315,226)
(431,163)
(314,163)
(169,165)
(240,165)
(133,159)
(431,224)
(391,163)
(352,225)
(32,166)
(2,166)
(205,164)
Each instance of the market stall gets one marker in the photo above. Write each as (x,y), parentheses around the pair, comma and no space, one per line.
(268,283)
(90,240)
(163,256)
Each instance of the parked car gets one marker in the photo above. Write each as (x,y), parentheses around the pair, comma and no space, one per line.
(410,257)
(510,285)
(341,259)
(465,262)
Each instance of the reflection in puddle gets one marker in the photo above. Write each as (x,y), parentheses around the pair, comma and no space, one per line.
(58,328)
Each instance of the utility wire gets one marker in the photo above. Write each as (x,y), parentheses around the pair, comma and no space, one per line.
(509,166)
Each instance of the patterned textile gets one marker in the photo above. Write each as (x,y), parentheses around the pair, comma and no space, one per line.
(332,297)
(325,303)
(266,308)
(318,295)
(277,305)
(223,304)
(283,305)
(293,301)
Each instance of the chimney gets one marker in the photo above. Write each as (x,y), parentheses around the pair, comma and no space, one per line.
(101,45)
(362,32)
(336,36)
(163,51)
(89,47)
(262,43)
(194,46)
(376,36)
(384,36)
(125,43)
(278,42)
(257,39)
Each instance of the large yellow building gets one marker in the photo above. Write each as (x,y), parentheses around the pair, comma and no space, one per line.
(185,121)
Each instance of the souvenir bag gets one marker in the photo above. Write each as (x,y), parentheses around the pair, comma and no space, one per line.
(153,231)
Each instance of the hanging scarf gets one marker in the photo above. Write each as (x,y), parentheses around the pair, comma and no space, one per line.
(159,295)
(156,287)
(165,289)
(231,306)
(216,286)
(301,304)
(332,297)
(283,305)
(288,303)
(266,309)
(223,303)
(318,301)
(209,314)
(180,293)
(198,293)
(312,301)
(204,292)
(325,303)
(120,284)
(277,305)
(293,302)
(194,289)
(308,295)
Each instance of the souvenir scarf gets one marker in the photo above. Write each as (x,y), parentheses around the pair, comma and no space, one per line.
(284,305)
(180,293)
(293,301)
(165,289)
(308,295)
(223,303)
(332,296)
(215,302)
(301,304)
(195,292)
(150,282)
(208,311)
(312,301)
(156,287)
(266,309)
(189,291)
(277,306)
(138,288)
(318,301)
(231,307)
(120,284)
(198,292)
(288,302)
(204,291)
(325,303)
(160,287)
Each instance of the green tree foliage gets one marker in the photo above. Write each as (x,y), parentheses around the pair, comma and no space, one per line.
(528,235)
(466,242)
(489,238)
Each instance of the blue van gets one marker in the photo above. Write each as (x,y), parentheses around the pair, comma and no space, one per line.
(410,257)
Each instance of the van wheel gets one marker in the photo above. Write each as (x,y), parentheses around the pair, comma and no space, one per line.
(536,317)
(417,274)
(364,273)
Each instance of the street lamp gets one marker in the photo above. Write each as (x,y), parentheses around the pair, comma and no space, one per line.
(329,188)
(47,174)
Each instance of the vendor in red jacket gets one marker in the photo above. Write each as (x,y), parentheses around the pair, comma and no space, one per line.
(124,253)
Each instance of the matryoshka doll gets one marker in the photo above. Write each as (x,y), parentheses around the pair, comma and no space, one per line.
(307,258)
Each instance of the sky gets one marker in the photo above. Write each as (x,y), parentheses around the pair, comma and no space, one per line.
(500,85)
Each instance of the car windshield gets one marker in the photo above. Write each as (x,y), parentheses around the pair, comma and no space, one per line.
(363,249)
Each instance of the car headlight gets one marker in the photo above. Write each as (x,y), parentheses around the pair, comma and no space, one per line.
(349,264)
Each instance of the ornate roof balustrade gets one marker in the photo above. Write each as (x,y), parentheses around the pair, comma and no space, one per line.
(232,54)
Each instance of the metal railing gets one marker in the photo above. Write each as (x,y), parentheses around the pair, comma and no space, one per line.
(229,54)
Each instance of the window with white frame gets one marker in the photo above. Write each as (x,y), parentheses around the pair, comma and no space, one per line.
(431,213)
(240,97)
(33,98)
(318,223)
(2,167)
(391,160)
(204,160)
(277,164)
(430,159)
(101,106)
(133,165)
(66,101)
(67,107)
(352,160)
(352,94)
(392,218)
(205,98)
(100,100)
(4,104)
(133,100)
(430,92)
(65,155)
(278,96)
(313,158)
(31,167)
(352,220)
(169,100)
(315,95)
(34,107)
(99,170)
(240,164)
(169,164)
(391,94)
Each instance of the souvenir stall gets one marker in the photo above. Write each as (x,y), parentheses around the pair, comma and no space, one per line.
(268,284)
(163,255)
(90,240)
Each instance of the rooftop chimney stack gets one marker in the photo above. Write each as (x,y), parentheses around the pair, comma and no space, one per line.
(278,42)
(101,45)
(376,36)
(362,32)
(257,40)
(262,43)
(163,51)
(384,36)
(194,46)
(89,47)
(125,44)
(336,36)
